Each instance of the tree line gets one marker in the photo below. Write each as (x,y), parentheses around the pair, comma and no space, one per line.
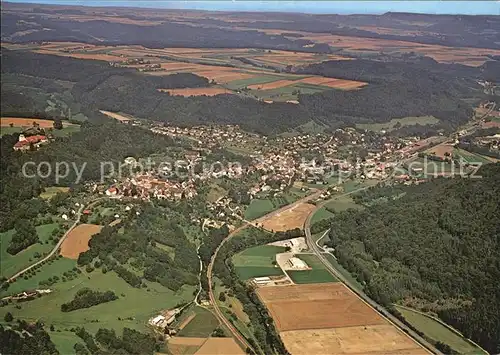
(86,298)
(435,248)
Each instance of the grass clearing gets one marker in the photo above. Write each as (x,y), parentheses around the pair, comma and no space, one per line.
(318,274)
(336,265)
(391,125)
(258,208)
(257,261)
(132,309)
(51,191)
(201,326)
(342,203)
(321,214)
(439,332)
(10,264)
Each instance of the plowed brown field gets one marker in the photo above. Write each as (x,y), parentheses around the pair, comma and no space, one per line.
(222,346)
(77,240)
(382,339)
(25,122)
(289,219)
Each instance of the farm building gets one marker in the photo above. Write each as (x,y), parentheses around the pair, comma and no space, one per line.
(296,263)
(261,281)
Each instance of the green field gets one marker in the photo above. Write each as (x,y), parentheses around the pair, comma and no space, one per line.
(133,308)
(431,168)
(439,332)
(10,264)
(257,261)
(201,326)
(469,157)
(406,121)
(51,191)
(261,79)
(342,203)
(318,274)
(320,214)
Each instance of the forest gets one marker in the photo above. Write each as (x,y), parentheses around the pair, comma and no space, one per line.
(436,248)
(135,248)
(86,298)
(22,338)
(395,90)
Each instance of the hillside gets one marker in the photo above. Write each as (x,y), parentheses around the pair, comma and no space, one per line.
(395,90)
(436,249)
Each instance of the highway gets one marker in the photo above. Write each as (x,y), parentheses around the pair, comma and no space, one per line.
(359,293)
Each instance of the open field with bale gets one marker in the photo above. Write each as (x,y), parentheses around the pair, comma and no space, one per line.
(317,274)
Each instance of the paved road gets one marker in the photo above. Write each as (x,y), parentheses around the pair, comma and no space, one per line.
(211,295)
(389,317)
(58,245)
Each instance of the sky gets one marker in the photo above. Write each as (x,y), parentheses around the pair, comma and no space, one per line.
(334,7)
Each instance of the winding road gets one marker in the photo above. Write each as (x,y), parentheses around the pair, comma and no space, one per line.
(59,243)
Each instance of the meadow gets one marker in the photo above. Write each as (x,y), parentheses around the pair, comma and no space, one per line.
(132,309)
(401,122)
(10,264)
(318,274)
(257,261)
(439,332)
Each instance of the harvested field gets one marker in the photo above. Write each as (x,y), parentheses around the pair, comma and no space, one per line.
(223,346)
(116,116)
(222,76)
(186,341)
(77,240)
(316,306)
(441,149)
(289,219)
(371,339)
(272,85)
(197,91)
(25,122)
(184,346)
(177,66)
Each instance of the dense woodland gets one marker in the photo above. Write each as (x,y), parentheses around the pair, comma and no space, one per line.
(435,248)
(396,89)
(135,248)
(107,141)
(86,298)
(107,342)
(215,31)
(22,338)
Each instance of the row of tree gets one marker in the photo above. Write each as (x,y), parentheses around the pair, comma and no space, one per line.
(86,298)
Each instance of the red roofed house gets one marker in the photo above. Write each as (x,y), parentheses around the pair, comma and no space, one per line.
(24,143)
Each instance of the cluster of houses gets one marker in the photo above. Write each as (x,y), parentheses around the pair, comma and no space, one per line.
(30,143)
